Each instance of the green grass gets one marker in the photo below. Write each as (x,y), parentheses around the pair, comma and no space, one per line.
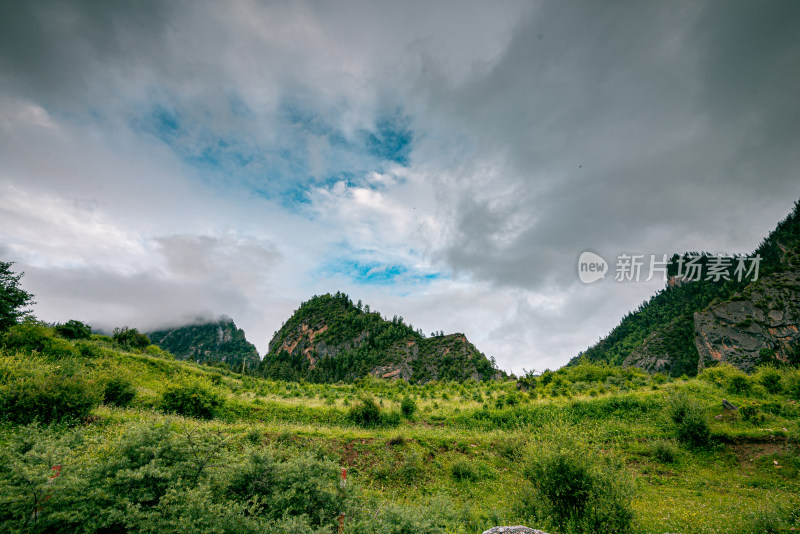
(460,448)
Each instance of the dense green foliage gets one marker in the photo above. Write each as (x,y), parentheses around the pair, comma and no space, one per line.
(13,299)
(193,398)
(35,337)
(358,340)
(408,407)
(213,343)
(130,338)
(73,329)
(668,315)
(47,393)
(691,425)
(578,490)
(119,391)
(164,478)
(366,413)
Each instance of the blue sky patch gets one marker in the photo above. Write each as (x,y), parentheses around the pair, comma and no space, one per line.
(377,273)
(283,170)
(392,138)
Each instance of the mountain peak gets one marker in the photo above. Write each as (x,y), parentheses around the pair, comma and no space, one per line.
(210,341)
(329,338)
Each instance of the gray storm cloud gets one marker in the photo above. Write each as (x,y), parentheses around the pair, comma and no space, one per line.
(539,130)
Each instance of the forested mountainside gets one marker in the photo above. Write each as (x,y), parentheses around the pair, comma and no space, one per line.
(214,342)
(329,339)
(665,333)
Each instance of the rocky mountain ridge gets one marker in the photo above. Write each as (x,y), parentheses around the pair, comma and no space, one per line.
(688,326)
(217,341)
(330,339)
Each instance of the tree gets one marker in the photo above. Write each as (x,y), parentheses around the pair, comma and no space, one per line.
(74,330)
(13,299)
(130,338)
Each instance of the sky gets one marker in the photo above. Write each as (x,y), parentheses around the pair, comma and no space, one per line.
(446,162)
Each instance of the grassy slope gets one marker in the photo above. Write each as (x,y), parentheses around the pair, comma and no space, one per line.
(702,491)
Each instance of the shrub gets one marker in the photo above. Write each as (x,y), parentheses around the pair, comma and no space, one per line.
(738,383)
(691,427)
(727,376)
(32,336)
(462,470)
(88,349)
(750,412)
(119,392)
(662,450)
(192,399)
(73,329)
(366,413)
(299,486)
(130,338)
(48,397)
(440,518)
(408,407)
(793,384)
(770,378)
(579,489)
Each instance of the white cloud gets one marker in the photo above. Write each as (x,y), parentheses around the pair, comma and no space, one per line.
(538,132)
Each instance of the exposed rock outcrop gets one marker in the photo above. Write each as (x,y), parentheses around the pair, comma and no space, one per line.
(758,324)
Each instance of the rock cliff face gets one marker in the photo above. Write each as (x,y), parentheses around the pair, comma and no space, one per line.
(209,342)
(755,325)
(665,350)
(689,325)
(330,339)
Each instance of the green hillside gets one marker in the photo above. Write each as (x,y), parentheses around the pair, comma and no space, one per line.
(98,438)
(214,342)
(667,318)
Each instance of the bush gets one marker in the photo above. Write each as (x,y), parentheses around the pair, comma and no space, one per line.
(408,407)
(48,398)
(579,489)
(750,412)
(793,384)
(73,329)
(130,338)
(691,427)
(32,336)
(366,413)
(727,376)
(192,399)
(299,486)
(119,392)
(438,518)
(664,451)
(28,337)
(738,383)
(770,378)
(88,349)
(462,470)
